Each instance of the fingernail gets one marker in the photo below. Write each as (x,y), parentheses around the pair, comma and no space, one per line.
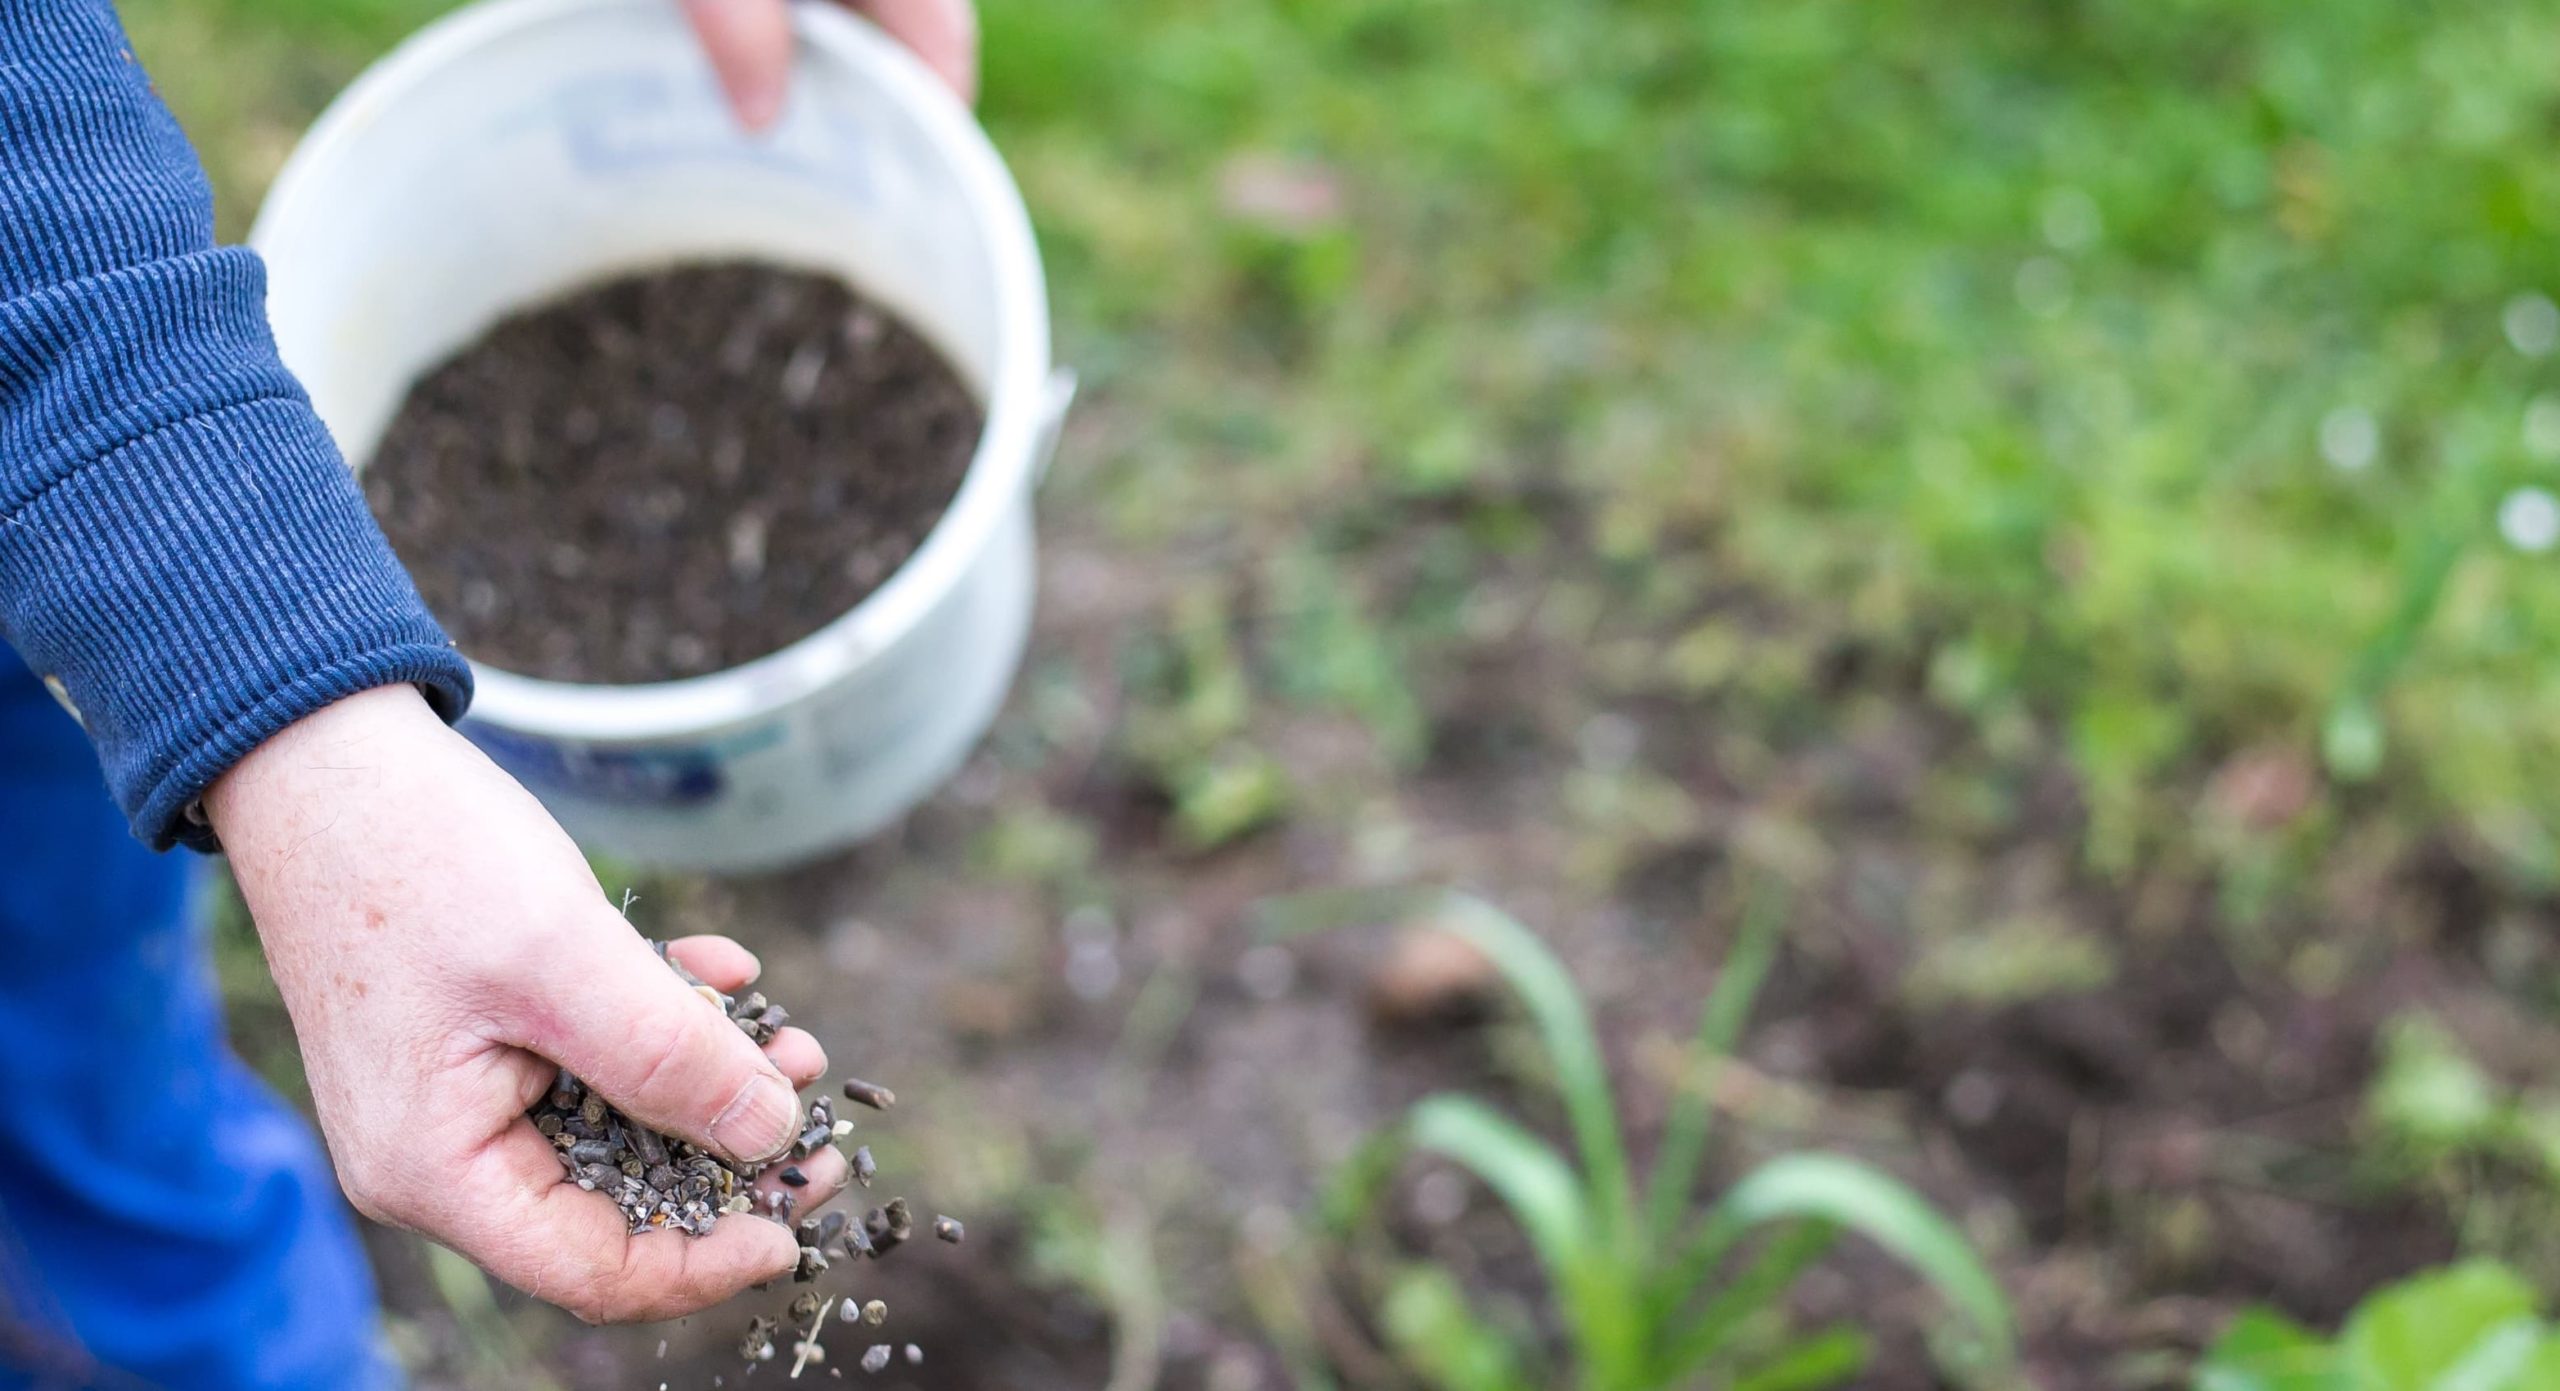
(760,1122)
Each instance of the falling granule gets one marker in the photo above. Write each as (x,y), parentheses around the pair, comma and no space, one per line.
(876,1358)
(875,1313)
(950,1230)
(915,1355)
(871,1094)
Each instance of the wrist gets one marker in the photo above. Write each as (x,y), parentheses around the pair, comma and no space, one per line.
(312,759)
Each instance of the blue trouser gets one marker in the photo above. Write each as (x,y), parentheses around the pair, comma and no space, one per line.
(164,1219)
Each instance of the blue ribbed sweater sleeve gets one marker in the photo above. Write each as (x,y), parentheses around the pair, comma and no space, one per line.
(181,547)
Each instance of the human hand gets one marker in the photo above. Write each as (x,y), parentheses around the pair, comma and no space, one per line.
(441,945)
(750,45)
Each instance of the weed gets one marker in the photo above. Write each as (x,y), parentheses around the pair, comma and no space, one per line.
(1651,1289)
(2475,1327)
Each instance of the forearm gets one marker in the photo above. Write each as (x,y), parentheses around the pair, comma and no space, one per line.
(181,548)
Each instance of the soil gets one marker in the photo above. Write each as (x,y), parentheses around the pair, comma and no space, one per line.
(1143,1101)
(670,473)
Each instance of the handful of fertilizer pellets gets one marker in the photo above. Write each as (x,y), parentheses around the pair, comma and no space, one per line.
(658,1180)
(662,1182)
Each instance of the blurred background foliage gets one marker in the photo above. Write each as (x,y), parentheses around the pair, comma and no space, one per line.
(2177,371)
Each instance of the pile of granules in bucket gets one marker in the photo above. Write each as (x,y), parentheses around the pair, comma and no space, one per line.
(662,1182)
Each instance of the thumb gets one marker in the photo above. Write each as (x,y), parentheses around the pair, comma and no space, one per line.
(661,1053)
(749,43)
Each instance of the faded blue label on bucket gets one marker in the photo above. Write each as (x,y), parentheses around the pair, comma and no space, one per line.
(645,119)
(659,776)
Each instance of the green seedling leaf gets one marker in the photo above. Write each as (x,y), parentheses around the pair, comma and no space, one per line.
(1826,1359)
(1523,1170)
(1832,1189)
(2543,1367)
(1564,1026)
(2429,1094)
(2413,1336)
(1688,1348)
(1351,1193)
(1720,1025)
(1427,1318)
(2499,1361)
(1539,1188)
(2264,1351)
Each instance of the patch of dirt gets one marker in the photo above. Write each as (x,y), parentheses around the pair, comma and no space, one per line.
(1080,1018)
(670,473)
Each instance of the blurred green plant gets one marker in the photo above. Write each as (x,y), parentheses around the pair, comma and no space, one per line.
(2471,1327)
(2488,1154)
(2158,373)
(1186,730)
(1651,1289)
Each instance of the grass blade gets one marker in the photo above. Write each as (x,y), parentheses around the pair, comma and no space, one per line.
(1436,1333)
(1555,1005)
(1591,1286)
(1826,1359)
(1523,1170)
(1832,1189)
(1690,1347)
(1720,1025)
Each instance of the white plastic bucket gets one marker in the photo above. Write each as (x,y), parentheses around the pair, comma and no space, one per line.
(521,148)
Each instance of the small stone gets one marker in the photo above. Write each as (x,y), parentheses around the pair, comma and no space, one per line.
(1431,975)
(950,1230)
(792,1175)
(876,1358)
(875,1312)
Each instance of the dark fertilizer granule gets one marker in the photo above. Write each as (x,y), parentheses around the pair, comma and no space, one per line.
(670,473)
(662,1183)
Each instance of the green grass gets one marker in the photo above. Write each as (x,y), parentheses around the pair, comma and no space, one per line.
(1999,336)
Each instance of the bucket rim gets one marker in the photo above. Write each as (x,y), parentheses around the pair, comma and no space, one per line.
(1021,398)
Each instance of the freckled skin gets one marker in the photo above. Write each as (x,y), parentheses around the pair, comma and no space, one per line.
(444,949)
